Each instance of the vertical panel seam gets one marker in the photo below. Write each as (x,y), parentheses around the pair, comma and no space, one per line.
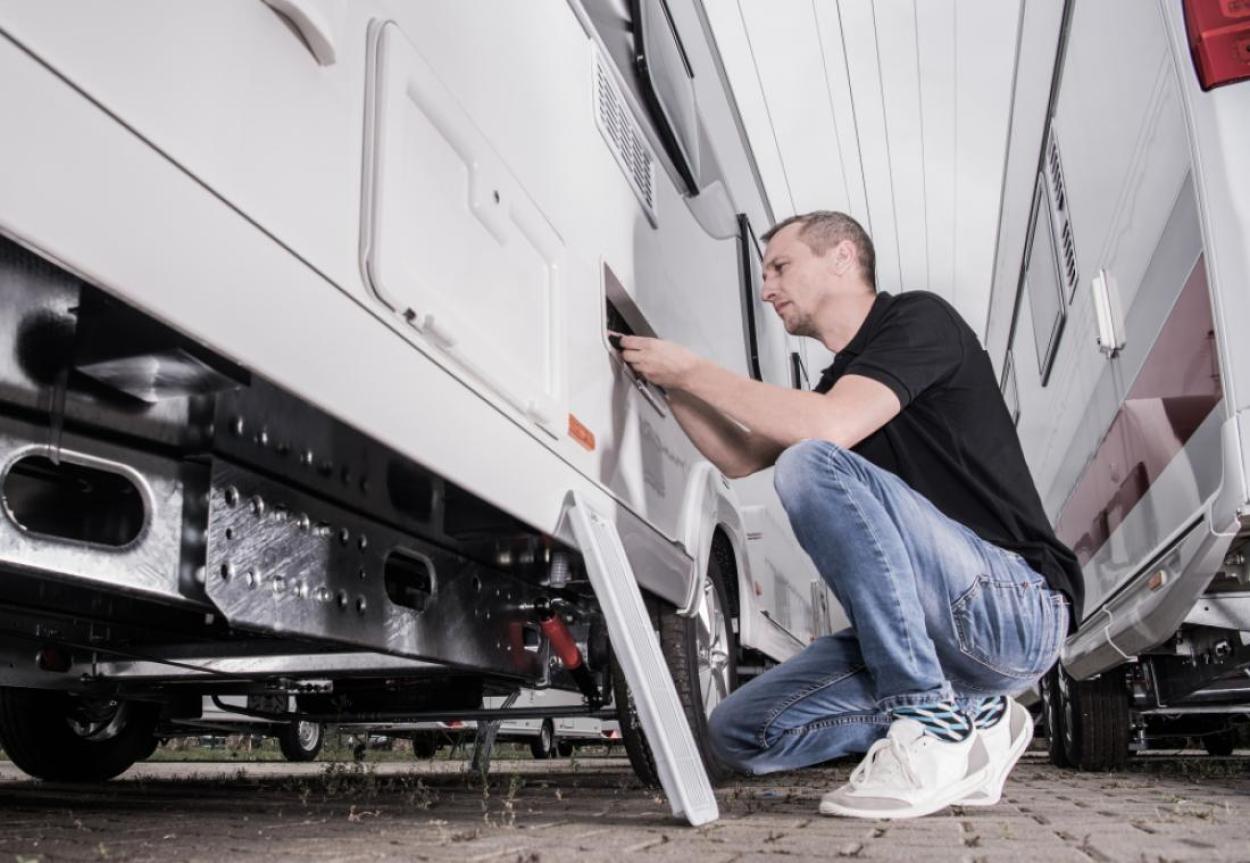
(767,110)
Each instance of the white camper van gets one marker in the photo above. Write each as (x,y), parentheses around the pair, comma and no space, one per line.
(303,357)
(1123,270)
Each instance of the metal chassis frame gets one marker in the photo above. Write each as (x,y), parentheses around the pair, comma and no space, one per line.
(479,714)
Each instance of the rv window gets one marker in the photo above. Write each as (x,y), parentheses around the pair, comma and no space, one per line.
(667,84)
(750,263)
(768,355)
(1043,284)
(1011,394)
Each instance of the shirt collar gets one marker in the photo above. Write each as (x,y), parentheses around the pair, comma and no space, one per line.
(866,330)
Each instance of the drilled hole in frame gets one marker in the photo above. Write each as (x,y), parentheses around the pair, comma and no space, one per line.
(72,501)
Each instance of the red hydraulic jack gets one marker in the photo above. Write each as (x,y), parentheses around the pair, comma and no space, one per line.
(563,646)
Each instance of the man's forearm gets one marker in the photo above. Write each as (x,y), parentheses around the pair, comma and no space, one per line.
(733,449)
(775,416)
(772,418)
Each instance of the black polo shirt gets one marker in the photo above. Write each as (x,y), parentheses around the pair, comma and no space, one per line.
(954,440)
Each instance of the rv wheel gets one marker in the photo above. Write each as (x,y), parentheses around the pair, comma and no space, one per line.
(701,652)
(1095,720)
(544,744)
(65,738)
(424,745)
(301,741)
(149,749)
(1052,715)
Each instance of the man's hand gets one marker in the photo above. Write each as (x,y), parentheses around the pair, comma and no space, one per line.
(662,363)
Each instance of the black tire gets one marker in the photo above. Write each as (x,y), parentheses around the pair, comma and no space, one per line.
(424,746)
(542,746)
(301,741)
(1220,743)
(636,748)
(564,748)
(146,752)
(1096,726)
(1052,713)
(679,638)
(63,738)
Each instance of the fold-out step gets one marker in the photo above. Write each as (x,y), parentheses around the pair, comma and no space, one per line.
(637,650)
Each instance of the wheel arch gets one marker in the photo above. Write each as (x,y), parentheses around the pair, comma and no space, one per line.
(713,523)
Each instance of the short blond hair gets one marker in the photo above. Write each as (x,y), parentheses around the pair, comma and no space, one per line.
(823,229)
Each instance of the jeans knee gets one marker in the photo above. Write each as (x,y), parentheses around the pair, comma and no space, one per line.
(793,471)
(719,733)
(797,470)
(725,735)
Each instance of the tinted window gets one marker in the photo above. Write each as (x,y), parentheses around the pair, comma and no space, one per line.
(668,86)
(1011,393)
(1043,286)
(768,356)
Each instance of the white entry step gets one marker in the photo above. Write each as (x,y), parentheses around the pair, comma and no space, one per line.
(638,651)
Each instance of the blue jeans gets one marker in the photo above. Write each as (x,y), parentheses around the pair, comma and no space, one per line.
(936,614)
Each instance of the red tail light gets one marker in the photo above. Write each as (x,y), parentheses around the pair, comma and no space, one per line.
(1219,38)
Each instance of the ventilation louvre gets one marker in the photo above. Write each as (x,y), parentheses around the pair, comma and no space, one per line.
(1065,241)
(624,138)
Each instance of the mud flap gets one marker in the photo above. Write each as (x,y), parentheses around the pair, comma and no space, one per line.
(637,649)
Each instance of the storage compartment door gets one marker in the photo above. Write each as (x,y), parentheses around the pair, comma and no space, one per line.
(452,242)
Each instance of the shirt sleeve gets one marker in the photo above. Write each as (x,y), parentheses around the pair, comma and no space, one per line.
(917,346)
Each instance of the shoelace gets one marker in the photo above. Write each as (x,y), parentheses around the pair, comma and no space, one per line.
(877,753)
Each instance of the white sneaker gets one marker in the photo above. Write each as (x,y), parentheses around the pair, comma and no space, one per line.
(1004,744)
(908,774)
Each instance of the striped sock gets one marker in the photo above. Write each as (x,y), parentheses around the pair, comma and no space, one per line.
(988,711)
(942,719)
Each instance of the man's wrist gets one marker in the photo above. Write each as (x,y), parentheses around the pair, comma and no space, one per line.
(689,381)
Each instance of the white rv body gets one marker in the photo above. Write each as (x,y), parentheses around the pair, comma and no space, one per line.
(1122,270)
(407,217)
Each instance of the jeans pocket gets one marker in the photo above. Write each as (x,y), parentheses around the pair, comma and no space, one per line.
(1008,626)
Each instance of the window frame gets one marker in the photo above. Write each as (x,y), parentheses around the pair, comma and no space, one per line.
(1045,358)
(684,162)
(749,244)
(1010,388)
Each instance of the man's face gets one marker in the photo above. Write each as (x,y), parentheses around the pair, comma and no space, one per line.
(797,280)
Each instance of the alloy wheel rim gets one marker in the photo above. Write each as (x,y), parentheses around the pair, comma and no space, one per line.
(712,644)
(307,733)
(98,719)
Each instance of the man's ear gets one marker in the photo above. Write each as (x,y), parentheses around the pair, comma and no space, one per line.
(844,257)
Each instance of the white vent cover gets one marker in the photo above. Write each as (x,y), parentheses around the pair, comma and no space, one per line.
(624,138)
(1065,243)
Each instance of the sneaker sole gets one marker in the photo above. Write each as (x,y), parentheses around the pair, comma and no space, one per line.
(928,807)
(991,790)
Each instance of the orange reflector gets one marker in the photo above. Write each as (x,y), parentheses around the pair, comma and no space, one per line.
(581,434)
(759,589)
(1157,580)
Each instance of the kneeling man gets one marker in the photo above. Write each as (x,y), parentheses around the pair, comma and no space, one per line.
(904,480)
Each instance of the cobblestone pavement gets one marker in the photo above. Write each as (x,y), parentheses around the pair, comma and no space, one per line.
(1161,809)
